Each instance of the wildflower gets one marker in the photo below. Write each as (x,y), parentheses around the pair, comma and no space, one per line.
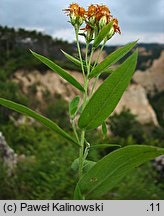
(92,10)
(103,15)
(91,14)
(102,10)
(76,13)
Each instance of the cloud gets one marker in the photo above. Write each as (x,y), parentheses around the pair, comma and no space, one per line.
(141,17)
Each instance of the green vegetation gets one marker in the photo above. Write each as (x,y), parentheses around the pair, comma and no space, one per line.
(157,101)
(44,159)
(44,172)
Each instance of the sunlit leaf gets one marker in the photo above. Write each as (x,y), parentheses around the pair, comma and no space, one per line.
(107,96)
(112,59)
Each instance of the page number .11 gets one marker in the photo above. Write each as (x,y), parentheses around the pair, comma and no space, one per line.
(154,207)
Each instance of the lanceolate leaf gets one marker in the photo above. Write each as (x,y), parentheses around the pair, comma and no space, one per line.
(57,69)
(72,59)
(112,59)
(107,96)
(109,171)
(102,35)
(45,121)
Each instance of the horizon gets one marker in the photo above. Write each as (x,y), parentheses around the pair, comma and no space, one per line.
(71,42)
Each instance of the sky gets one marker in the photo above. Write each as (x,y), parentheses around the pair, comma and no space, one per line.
(140,19)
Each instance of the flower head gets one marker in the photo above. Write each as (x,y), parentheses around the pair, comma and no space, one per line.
(96,17)
(76,13)
(92,10)
(102,10)
(73,8)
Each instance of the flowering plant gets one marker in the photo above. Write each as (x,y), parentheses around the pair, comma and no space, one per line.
(94,107)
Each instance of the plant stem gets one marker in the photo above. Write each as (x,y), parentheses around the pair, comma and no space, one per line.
(79,51)
(74,130)
(89,67)
(86,80)
(81,154)
(98,56)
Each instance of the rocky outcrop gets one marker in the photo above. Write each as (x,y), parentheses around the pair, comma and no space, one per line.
(153,78)
(9,157)
(134,98)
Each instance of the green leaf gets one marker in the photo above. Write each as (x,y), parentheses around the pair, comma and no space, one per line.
(102,35)
(104,128)
(57,69)
(77,193)
(45,121)
(108,71)
(109,171)
(107,96)
(72,59)
(104,146)
(112,59)
(73,106)
(86,166)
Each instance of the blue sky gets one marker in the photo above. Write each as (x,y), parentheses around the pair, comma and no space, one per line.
(143,19)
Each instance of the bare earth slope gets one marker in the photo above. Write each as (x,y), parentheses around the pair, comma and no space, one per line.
(134,98)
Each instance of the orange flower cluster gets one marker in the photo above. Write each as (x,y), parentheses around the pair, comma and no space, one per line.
(96,17)
(75,10)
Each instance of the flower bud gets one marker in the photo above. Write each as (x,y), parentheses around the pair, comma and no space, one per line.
(80,20)
(102,22)
(92,20)
(89,35)
(73,18)
(111,33)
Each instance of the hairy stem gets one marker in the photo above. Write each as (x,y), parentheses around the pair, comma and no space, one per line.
(75,131)
(98,56)
(79,52)
(81,152)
